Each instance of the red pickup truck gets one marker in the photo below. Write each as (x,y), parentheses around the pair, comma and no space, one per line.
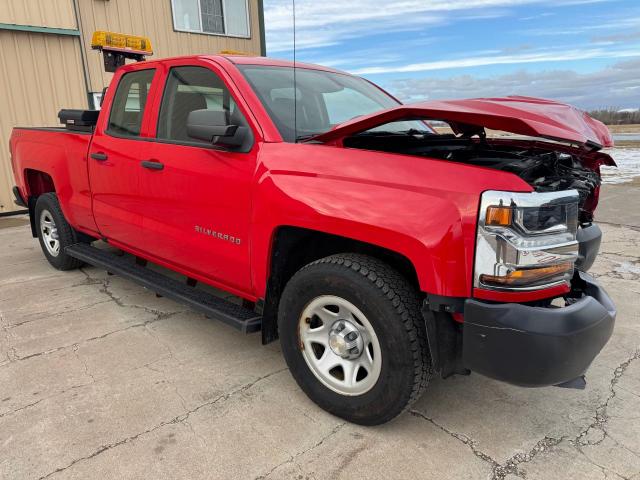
(377,250)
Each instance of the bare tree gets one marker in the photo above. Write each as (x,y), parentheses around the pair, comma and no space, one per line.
(613,116)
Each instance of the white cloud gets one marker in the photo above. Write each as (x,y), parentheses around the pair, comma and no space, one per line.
(386,53)
(611,23)
(338,31)
(350,27)
(547,55)
(614,86)
(329,23)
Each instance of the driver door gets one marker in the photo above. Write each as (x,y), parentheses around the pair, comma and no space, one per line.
(198,195)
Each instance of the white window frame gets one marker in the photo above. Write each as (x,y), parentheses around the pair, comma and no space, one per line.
(201,32)
(96,98)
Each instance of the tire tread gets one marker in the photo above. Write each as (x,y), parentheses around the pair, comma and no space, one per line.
(67,235)
(406,302)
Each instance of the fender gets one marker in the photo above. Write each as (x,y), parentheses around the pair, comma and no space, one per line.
(63,156)
(424,209)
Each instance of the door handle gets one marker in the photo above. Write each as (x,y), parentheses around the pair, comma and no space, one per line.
(152,165)
(101,157)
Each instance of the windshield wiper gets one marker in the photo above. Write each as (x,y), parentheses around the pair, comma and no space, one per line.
(395,133)
(414,131)
(373,133)
(302,138)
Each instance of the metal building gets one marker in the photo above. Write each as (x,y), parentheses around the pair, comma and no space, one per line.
(46,61)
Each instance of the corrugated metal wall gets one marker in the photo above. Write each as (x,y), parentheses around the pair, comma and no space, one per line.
(42,73)
(154,19)
(41,13)
(39,74)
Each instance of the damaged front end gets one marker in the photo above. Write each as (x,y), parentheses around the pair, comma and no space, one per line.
(561,151)
(534,317)
(546,166)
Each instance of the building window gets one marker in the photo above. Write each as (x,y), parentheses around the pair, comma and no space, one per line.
(214,17)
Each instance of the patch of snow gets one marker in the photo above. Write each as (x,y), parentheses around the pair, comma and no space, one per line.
(627,268)
(628,160)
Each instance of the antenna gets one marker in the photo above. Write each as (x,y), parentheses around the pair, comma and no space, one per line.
(295,84)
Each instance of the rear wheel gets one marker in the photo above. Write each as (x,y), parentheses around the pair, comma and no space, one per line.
(55,233)
(353,337)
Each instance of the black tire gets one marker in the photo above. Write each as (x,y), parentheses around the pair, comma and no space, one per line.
(392,307)
(66,234)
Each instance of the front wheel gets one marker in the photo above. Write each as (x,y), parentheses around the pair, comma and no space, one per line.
(353,337)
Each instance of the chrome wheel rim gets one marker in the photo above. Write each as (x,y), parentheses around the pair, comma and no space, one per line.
(49,233)
(340,345)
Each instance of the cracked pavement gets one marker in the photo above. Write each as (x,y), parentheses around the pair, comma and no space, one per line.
(99,378)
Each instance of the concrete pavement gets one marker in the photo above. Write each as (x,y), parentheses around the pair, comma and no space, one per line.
(101,379)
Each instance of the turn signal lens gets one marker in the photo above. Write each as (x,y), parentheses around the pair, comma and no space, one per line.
(499,216)
(529,276)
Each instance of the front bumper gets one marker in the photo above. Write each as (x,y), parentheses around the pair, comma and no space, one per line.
(538,346)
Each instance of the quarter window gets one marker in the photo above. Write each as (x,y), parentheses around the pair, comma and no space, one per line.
(189,89)
(129,102)
(216,17)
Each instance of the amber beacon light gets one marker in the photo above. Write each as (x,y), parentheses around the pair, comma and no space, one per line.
(117,47)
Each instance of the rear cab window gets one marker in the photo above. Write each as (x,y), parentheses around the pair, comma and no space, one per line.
(129,102)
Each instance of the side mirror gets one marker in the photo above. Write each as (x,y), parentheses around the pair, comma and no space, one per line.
(212,126)
(208,124)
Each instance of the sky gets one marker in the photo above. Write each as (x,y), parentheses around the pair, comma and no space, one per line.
(584,52)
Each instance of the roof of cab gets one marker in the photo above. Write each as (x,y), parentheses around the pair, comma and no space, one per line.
(273,62)
(238,60)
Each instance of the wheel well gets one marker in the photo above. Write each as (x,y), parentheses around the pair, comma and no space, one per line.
(295,247)
(37,183)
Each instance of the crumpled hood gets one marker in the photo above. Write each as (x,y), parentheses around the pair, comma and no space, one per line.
(529,116)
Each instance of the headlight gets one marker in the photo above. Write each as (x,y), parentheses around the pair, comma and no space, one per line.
(526,240)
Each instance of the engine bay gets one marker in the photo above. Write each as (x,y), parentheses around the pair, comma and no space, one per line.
(545,166)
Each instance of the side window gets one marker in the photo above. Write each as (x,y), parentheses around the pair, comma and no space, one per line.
(189,89)
(129,101)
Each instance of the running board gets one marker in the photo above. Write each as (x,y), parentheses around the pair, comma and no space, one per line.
(243,319)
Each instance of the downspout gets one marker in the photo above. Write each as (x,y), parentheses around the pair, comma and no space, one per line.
(83,55)
(263,41)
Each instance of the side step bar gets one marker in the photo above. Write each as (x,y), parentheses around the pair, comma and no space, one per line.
(234,315)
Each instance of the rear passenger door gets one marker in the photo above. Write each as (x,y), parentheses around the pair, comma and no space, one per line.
(198,195)
(117,148)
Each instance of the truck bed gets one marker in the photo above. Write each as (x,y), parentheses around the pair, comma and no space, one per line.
(54,129)
(62,154)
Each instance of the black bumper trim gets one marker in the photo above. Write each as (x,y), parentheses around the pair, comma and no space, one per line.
(589,239)
(18,197)
(538,346)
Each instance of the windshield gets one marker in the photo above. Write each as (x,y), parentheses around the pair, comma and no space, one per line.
(322,100)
